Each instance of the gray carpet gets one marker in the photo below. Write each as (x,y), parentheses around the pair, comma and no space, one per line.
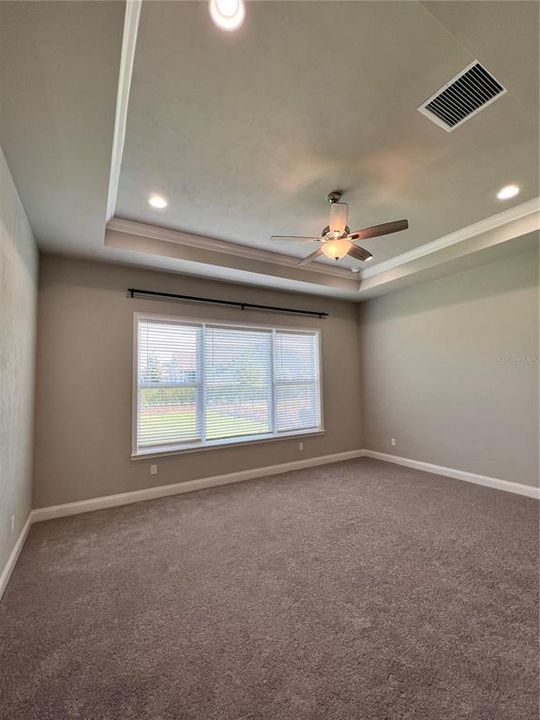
(356,590)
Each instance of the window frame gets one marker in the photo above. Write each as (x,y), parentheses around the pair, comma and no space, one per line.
(203,445)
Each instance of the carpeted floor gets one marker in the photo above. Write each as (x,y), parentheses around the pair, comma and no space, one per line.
(360,590)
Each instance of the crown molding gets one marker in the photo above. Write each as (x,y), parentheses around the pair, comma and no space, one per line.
(203,242)
(129,40)
(470,231)
(511,222)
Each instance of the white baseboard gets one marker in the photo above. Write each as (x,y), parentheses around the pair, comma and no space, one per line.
(134,496)
(108,501)
(126,498)
(518,488)
(12,559)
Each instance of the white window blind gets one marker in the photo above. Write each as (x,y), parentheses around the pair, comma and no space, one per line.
(296,373)
(237,382)
(168,383)
(200,384)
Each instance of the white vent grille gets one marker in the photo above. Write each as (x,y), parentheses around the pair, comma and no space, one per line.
(462,97)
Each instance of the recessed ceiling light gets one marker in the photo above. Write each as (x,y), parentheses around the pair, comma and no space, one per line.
(227,14)
(507,192)
(157,201)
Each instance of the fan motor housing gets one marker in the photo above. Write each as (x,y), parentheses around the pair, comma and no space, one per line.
(326,230)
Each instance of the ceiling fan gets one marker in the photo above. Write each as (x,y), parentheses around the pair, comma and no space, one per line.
(336,239)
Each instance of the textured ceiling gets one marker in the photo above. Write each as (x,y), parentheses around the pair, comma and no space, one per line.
(59,66)
(246,132)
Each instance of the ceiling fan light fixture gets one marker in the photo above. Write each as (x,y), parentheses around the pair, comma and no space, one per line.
(336,239)
(336,249)
(227,14)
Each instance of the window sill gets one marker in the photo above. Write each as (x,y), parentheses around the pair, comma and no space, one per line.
(219,444)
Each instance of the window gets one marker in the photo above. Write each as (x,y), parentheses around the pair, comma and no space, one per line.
(202,384)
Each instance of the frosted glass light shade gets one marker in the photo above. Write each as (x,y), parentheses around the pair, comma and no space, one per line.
(336,249)
(339,213)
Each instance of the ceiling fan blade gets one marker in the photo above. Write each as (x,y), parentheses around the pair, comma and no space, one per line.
(359,253)
(339,213)
(302,238)
(376,230)
(309,258)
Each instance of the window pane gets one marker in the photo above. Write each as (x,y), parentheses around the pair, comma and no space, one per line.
(168,376)
(167,415)
(297,407)
(199,382)
(238,386)
(295,357)
(296,369)
(168,353)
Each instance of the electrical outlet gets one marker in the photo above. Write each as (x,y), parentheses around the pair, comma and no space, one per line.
(153,469)
(12,523)
(300,445)
(393,442)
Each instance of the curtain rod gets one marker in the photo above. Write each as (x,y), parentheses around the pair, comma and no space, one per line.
(251,306)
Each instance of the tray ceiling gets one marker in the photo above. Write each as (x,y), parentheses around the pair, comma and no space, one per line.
(246,132)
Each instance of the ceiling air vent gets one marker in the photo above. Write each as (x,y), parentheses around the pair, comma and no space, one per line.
(461,98)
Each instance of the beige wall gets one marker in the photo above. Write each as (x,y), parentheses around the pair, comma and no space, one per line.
(18,294)
(84,379)
(450,369)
